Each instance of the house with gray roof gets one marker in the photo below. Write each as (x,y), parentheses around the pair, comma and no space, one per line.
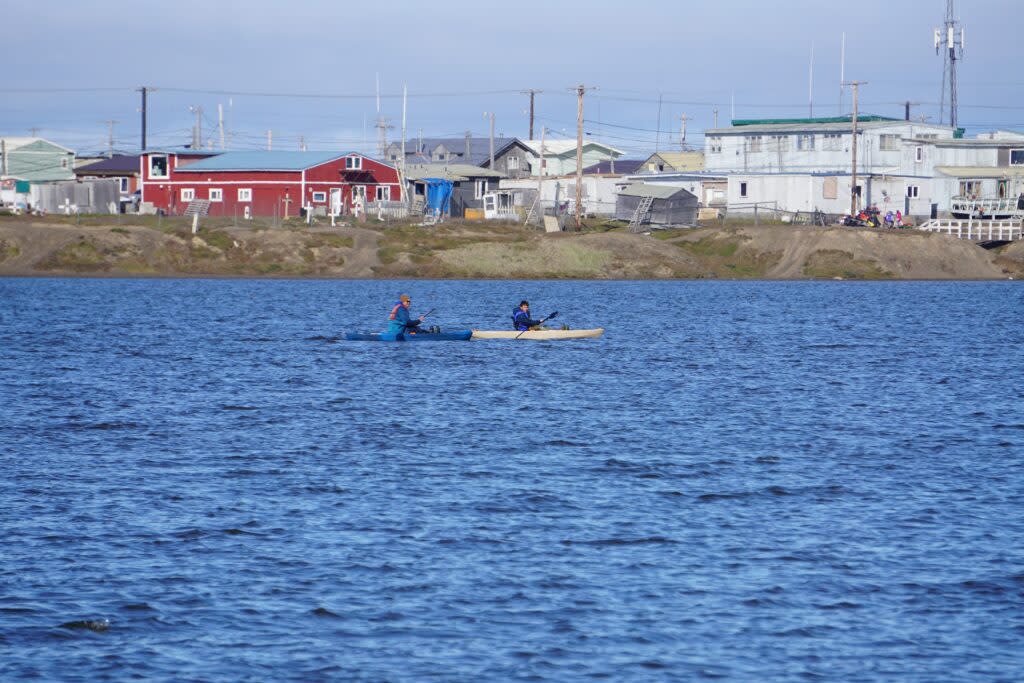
(469,184)
(660,205)
(124,168)
(465,150)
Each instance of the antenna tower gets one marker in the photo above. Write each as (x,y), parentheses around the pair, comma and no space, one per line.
(382,125)
(949,41)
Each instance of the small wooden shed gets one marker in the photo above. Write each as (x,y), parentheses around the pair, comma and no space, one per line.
(656,205)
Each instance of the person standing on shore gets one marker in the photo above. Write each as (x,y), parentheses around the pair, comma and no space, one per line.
(399,320)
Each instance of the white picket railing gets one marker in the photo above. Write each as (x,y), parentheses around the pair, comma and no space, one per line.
(979,230)
(1006,207)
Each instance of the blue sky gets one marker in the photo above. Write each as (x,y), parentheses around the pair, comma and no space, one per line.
(73,65)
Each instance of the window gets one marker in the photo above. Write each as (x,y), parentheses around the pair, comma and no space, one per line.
(919,154)
(158,166)
(216,194)
(245,194)
(187,194)
(888,142)
(714,144)
(970,188)
(832,142)
(805,142)
(929,136)
(780,143)
(830,188)
(743,189)
(1017,157)
(383,193)
(353,163)
(64,162)
(913,191)
(122,184)
(513,163)
(319,197)
(479,188)
(754,143)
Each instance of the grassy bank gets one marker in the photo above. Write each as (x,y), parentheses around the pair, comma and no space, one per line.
(165,246)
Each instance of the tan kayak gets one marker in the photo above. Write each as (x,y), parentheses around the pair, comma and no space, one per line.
(538,334)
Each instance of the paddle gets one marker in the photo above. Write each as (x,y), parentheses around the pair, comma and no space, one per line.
(538,324)
(413,328)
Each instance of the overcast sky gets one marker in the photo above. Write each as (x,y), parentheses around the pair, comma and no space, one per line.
(70,66)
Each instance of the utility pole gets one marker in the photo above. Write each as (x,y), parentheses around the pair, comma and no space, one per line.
(405,94)
(3,156)
(682,132)
(270,140)
(540,179)
(657,135)
(220,124)
(468,156)
(906,109)
(531,92)
(810,86)
(302,143)
(110,136)
(716,118)
(853,147)
(491,165)
(581,90)
(197,127)
(143,90)
(842,71)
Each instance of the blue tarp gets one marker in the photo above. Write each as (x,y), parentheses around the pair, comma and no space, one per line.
(439,195)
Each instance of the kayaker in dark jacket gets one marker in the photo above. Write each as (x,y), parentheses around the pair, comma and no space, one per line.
(521,319)
(399,321)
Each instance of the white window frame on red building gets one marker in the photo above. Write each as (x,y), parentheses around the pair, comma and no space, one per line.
(188,194)
(167,166)
(245,194)
(216,194)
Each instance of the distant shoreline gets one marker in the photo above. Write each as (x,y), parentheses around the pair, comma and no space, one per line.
(146,248)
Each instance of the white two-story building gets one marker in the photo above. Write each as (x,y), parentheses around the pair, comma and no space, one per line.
(807,164)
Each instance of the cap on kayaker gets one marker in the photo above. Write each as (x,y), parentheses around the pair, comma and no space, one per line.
(404,298)
(524,302)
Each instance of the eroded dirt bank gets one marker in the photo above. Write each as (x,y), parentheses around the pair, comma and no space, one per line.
(60,246)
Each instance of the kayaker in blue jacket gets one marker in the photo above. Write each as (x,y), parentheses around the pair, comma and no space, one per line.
(399,321)
(521,319)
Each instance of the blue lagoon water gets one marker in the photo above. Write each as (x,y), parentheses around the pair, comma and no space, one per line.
(744,481)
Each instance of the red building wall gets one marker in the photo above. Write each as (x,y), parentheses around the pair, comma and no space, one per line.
(272,193)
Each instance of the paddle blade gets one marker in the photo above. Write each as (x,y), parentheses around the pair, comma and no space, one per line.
(553,315)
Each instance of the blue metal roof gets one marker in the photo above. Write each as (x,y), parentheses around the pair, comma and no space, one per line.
(263,161)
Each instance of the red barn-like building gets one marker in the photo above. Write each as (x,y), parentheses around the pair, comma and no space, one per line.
(266,183)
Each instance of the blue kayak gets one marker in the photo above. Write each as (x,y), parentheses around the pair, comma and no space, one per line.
(458,335)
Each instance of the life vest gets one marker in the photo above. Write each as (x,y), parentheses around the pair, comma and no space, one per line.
(398,319)
(516,315)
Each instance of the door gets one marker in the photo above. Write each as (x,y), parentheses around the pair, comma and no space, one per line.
(335,201)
